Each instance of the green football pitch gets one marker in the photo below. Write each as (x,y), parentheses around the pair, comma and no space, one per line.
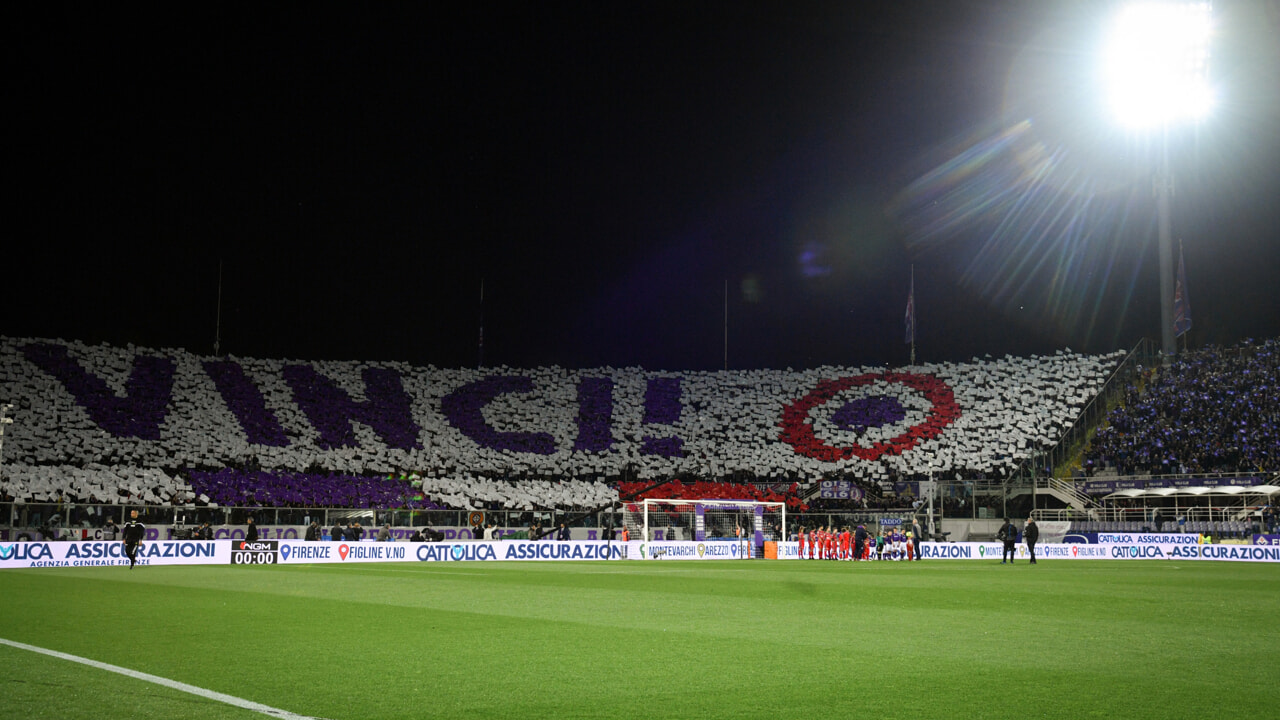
(699,639)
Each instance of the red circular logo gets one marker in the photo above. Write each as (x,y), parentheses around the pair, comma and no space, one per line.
(797,430)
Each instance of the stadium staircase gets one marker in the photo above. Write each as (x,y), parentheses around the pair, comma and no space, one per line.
(1062,490)
(812,493)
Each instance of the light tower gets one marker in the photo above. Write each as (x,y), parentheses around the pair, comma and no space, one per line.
(1156,63)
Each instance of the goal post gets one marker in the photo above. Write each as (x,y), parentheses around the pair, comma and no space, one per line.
(750,522)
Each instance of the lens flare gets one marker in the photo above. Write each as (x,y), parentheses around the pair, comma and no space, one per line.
(1031,231)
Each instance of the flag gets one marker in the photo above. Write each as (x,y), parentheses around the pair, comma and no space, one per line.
(1181,302)
(911,311)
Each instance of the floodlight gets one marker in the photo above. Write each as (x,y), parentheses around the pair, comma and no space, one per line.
(1156,63)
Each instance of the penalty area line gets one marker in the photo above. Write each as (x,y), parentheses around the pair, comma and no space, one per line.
(156,679)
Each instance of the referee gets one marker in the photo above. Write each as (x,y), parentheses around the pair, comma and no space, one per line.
(134,531)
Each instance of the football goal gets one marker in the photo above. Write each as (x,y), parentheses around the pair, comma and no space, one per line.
(749,522)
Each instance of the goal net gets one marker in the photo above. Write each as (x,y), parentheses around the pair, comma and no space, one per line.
(747,521)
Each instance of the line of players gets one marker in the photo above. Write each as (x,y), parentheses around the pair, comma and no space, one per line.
(831,543)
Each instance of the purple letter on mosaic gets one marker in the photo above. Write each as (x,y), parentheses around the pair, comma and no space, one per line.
(662,400)
(147,392)
(245,402)
(662,407)
(330,409)
(464,409)
(595,415)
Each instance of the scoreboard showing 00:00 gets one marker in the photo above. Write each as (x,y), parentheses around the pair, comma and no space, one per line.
(263,552)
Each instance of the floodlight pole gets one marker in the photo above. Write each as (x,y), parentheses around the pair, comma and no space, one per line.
(1164,193)
(1158,54)
(726,324)
(217,327)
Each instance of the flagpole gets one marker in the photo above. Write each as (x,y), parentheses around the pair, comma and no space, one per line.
(217,328)
(1181,302)
(1185,310)
(726,323)
(913,314)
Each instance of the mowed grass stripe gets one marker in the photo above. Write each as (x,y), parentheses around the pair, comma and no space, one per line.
(202,693)
(37,687)
(712,639)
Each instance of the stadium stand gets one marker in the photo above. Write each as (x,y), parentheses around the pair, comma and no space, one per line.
(1212,410)
(131,424)
(1215,528)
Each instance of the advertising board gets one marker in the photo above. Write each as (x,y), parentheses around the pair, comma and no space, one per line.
(105,553)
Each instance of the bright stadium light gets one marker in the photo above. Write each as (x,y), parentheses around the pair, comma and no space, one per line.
(1156,63)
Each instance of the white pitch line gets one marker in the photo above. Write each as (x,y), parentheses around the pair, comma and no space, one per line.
(210,694)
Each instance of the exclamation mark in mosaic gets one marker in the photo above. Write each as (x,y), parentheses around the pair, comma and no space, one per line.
(662,407)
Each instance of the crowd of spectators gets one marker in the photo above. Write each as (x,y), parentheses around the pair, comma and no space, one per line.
(109,418)
(102,425)
(1211,410)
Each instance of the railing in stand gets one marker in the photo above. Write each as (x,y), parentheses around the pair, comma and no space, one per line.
(1142,355)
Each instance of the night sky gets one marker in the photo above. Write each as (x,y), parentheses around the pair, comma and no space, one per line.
(605,169)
